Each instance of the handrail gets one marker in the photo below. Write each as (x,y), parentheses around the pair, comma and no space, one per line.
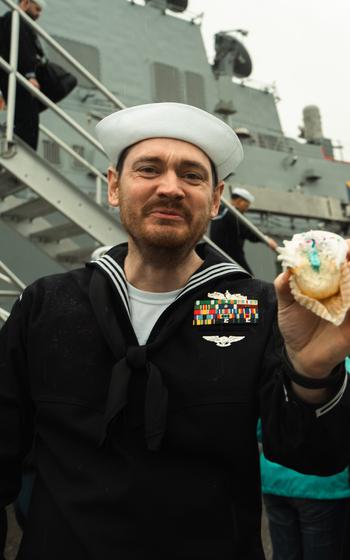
(12,85)
(9,293)
(71,152)
(12,276)
(99,177)
(66,55)
(37,93)
(96,172)
(4,314)
(15,75)
(5,278)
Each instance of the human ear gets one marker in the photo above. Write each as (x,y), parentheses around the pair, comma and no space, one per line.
(215,204)
(113,186)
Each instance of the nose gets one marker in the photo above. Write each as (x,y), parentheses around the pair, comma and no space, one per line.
(170,185)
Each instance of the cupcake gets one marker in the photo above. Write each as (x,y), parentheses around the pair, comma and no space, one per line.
(320,277)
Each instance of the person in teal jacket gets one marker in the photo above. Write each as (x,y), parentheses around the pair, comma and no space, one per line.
(308,515)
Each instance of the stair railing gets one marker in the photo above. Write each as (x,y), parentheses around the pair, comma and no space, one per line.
(16,77)
(6,275)
(99,177)
(61,50)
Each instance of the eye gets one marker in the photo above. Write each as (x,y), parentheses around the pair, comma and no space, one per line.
(193,178)
(148,170)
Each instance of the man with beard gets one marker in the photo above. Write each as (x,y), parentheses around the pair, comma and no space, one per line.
(30,54)
(137,381)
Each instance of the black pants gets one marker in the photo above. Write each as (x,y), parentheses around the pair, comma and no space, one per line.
(306,529)
(26,113)
(3,531)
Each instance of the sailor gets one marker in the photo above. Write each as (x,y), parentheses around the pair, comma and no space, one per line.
(30,55)
(230,233)
(137,381)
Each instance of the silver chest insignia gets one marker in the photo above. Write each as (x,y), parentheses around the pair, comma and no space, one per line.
(223,341)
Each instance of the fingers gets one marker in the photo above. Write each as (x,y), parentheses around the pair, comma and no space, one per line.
(348,243)
(272,243)
(284,294)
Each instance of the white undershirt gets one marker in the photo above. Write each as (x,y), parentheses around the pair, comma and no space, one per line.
(146,308)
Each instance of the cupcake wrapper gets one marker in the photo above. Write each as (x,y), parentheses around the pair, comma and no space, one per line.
(331,309)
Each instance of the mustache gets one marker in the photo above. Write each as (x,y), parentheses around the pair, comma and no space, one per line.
(174,205)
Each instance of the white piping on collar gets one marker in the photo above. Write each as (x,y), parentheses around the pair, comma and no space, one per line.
(218,267)
(220,215)
(116,274)
(209,273)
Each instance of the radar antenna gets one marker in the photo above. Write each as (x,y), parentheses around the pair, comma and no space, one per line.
(232,58)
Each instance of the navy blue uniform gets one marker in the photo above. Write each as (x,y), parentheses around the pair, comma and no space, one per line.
(150,451)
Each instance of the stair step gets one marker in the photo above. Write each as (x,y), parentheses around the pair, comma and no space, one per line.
(77,255)
(29,210)
(56,233)
(9,184)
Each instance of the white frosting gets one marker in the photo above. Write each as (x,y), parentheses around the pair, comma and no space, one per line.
(329,245)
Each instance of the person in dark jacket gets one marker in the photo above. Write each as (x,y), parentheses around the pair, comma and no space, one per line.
(137,381)
(30,54)
(229,233)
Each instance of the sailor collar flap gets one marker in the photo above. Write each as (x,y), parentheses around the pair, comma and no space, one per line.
(214,266)
(108,273)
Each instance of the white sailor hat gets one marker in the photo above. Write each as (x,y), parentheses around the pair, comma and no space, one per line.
(215,138)
(40,3)
(243,193)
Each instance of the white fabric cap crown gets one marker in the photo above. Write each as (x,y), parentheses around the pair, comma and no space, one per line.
(40,3)
(215,138)
(243,193)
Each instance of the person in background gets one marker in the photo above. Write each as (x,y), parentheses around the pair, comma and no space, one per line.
(30,55)
(308,515)
(229,233)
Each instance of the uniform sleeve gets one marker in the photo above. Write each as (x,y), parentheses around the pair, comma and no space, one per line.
(247,233)
(312,439)
(27,52)
(5,33)
(28,46)
(16,411)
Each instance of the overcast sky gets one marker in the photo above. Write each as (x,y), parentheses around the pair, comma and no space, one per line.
(303,46)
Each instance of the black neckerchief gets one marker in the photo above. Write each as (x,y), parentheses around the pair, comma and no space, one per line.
(108,280)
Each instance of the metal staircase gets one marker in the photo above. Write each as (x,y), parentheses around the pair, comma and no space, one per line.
(46,223)
(10,288)
(45,208)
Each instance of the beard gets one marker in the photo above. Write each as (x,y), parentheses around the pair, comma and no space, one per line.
(165,236)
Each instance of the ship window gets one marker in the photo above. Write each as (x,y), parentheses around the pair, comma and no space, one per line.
(167,83)
(80,150)
(195,94)
(273,142)
(51,152)
(87,55)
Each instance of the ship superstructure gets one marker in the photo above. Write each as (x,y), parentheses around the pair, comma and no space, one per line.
(52,209)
